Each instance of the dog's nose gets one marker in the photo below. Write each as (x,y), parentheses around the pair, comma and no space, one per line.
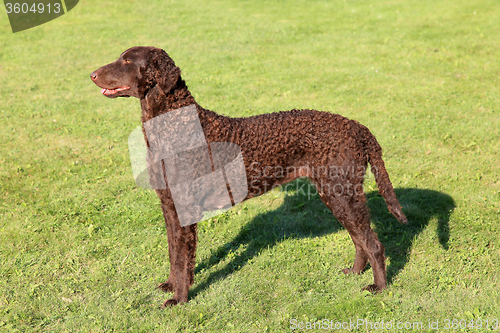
(93,76)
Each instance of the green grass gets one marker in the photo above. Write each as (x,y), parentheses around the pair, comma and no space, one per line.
(82,248)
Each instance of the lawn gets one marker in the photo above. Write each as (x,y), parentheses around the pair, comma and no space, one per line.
(82,248)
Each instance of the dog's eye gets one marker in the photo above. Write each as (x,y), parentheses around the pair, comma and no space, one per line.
(127,61)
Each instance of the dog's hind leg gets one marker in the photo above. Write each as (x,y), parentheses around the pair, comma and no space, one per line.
(351,211)
(359,262)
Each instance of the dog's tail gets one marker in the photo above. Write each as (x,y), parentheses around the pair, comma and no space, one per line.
(374,154)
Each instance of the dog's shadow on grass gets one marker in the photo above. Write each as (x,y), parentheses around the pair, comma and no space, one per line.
(301,216)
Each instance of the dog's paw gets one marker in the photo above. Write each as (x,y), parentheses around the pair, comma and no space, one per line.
(374,289)
(348,271)
(166,287)
(170,302)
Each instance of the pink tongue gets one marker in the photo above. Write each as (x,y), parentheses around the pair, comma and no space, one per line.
(108,91)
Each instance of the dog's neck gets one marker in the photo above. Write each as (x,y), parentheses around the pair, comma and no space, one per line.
(156,102)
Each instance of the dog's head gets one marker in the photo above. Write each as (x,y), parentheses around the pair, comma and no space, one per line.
(136,71)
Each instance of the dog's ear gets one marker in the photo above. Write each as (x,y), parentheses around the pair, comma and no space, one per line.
(166,74)
(168,77)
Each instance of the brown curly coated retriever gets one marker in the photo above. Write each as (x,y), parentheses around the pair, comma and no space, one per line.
(332,151)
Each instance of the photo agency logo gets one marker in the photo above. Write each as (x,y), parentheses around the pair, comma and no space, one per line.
(204,179)
(26,14)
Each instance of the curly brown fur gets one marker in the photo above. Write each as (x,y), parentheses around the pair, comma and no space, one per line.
(331,150)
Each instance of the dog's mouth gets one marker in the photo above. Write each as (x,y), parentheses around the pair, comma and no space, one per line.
(110,92)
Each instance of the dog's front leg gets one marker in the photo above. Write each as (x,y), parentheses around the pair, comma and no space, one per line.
(169,216)
(183,261)
(182,243)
